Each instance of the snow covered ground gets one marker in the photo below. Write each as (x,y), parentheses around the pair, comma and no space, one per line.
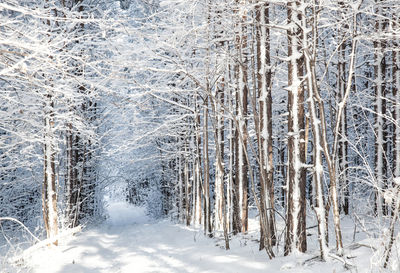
(130,242)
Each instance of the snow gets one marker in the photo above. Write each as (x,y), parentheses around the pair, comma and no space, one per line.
(130,241)
(121,214)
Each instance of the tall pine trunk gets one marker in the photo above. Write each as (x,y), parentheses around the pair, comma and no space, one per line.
(268,237)
(295,237)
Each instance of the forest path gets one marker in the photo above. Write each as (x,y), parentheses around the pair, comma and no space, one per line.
(130,242)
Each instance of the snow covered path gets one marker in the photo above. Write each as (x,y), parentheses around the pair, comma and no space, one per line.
(144,248)
(130,242)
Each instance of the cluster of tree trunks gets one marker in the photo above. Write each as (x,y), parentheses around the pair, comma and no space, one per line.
(234,110)
(80,172)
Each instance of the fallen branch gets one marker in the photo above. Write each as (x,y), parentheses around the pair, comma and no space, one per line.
(346,264)
(312,259)
(27,252)
(20,223)
(358,245)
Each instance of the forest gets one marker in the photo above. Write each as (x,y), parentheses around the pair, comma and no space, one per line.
(274,122)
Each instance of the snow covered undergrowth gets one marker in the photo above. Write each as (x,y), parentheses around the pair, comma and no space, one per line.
(132,242)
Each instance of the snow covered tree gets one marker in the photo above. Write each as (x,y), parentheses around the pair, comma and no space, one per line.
(296,180)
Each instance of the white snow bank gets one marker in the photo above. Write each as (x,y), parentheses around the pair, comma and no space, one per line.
(121,213)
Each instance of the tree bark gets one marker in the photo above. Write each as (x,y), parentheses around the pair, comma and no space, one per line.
(380,112)
(49,191)
(295,237)
(267,234)
(241,45)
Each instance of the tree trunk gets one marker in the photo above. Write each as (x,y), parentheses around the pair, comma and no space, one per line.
(342,158)
(197,169)
(49,192)
(380,112)
(268,236)
(242,98)
(396,109)
(206,176)
(219,156)
(295,237)
(318,169)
